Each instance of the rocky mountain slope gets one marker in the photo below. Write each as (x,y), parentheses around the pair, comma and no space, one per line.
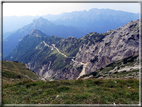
(120,43)
(70,58)
(126,68)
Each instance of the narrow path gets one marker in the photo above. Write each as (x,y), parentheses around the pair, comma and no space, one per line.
(48,45)
(59,51)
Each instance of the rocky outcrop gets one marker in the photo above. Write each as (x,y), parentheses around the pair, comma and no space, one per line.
(126,68)
(120,43)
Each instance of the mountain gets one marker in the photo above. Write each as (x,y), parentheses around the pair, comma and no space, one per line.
(6,34)
(43,25)
(120,43)
(20,21)
(70,58)
(98,20)
(51,17)
(83,20)
(76,24)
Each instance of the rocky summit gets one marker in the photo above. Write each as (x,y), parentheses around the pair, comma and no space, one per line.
(57,58)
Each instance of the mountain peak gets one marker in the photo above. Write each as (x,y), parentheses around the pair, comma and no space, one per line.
(34,31)
(37,32)
(41,18)
(41,21)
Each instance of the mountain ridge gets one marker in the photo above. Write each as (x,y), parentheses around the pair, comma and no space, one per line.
(42,24)
(97,19)
(81,56)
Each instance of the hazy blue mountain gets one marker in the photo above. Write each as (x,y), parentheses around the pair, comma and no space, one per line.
(6,34)
(51,17)
(19,22)
(87,21)
(43,25)
(98,20)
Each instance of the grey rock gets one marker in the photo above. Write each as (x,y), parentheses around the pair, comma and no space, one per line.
(120,43)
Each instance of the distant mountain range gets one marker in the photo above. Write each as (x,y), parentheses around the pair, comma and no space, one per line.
(76,24)
(98,20)
(79,19)
(59,58)
(7,34)
(19,22)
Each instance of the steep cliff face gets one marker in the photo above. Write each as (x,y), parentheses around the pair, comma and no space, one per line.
(120,43)
(70,58)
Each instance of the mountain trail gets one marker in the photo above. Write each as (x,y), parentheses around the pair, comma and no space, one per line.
(84,64)
(59,51)
(47,45)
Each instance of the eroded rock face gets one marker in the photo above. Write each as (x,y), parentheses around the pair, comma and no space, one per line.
(120,43)
(115,45)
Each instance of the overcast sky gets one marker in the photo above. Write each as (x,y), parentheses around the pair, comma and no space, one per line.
(39,9)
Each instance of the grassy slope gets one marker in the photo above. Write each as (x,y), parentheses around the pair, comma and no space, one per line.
(90,91)
(21,90)
(14,72)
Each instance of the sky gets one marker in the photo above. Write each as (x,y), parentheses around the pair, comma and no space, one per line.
(39,9)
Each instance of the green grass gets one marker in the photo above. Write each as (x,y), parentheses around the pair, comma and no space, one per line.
(14,72)
(90,91)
